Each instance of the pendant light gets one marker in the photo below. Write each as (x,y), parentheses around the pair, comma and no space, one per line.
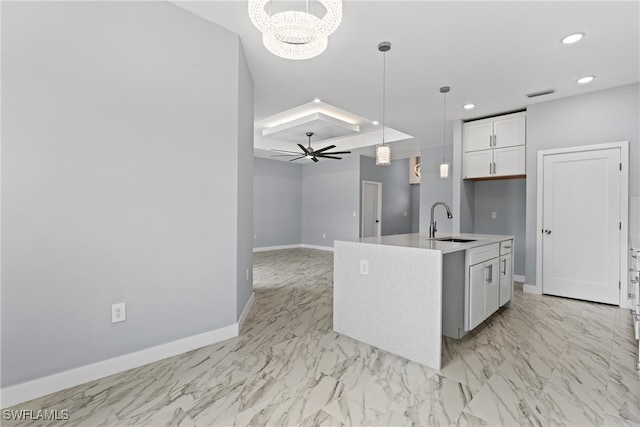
(444,166)
(383,151)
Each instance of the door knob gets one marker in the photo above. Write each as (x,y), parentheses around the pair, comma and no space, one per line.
(377,220)
(547,231)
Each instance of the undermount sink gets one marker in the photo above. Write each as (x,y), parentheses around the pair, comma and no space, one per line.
(454,239)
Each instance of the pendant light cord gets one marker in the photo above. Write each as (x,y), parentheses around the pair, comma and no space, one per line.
(384,80)
(444,128)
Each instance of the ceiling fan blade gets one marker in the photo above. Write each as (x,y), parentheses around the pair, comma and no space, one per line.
(335,152)
(304,150)
(314,159)
(297,158)
(285,151)
(328,157)
(285,155)
(325,149)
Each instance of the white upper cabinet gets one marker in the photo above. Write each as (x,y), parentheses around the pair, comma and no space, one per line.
(494,147)
(509,132)
(477,136)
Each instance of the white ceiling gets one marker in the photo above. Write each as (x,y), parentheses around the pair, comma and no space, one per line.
(490,53)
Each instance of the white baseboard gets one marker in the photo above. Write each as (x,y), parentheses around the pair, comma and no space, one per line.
(322,248)
(29,390)
(301,245)
(530,289)
(275,248)
(519,278)
(245,312)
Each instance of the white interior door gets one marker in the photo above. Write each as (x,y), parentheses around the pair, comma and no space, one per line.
(371,208)
(581,225)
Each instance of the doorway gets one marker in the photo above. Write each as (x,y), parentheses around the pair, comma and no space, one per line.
(582,205)
(371,208)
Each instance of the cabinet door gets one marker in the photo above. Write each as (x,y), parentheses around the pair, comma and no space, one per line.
(509,161)
(477,136)
(506,278)
(477,285)
(509,132)
(478,164)
(492,289)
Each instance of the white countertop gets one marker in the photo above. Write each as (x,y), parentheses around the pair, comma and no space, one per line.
(422,241)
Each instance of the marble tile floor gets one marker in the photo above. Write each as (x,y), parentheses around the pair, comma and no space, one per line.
(547,361)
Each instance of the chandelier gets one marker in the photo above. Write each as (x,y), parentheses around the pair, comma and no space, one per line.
(294,34)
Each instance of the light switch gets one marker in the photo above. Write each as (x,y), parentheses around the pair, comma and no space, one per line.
(494,215)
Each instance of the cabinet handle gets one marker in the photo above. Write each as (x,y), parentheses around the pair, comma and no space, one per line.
(504,266)
(507,247)
(490,275)
(490,140)
(494,168)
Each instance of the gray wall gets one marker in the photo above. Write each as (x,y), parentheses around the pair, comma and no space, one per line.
(415,208)
(244,164)
(434,189)
(330,197)
(119,120)
(277,203)
(505,197)
(605,116)
(396,193)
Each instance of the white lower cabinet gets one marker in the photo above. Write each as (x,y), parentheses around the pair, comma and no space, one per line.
(506,271)
(506,278)
(484,289)
(476,283)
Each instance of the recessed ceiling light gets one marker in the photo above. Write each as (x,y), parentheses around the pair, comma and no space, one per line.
(375,122)
(585,79)
(572,38)
(469,106)
(316,100)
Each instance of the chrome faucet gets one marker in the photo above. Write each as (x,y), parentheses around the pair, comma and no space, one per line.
(432,223)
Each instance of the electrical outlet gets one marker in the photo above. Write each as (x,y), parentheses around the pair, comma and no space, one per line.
(247,274)
(405,214)
(364,267)
(324,235)
(118,313)
(255,236)
(354,213)
(494,215)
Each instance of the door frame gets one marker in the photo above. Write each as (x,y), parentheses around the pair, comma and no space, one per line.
(624,209)
(378,208)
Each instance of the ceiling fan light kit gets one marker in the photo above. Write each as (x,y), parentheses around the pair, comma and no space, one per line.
(383,151)
(295,34)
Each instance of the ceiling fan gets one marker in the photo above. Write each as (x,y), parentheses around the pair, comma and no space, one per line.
(310,153)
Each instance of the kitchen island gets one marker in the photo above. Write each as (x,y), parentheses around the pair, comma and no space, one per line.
(401,293)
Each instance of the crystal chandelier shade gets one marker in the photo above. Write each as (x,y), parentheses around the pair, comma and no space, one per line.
(294,34)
